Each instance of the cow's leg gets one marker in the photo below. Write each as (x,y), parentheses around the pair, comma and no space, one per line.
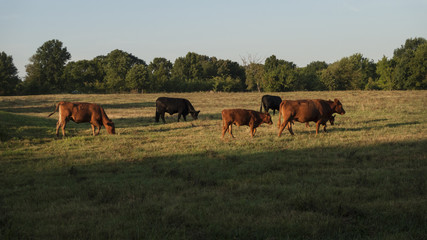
(183,116)
(179,116)
(307,125)
(274,111)
(162,115)
(324,127)
(58,125)
(290,128)
(231,130)
(63,125)
(283,125)
(317,127)
(99,128)
(157,116)
(224,128)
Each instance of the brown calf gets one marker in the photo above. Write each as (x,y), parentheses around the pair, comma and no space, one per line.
(243,117)
(82,112)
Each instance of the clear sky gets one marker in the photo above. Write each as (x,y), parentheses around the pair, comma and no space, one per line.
(300,31)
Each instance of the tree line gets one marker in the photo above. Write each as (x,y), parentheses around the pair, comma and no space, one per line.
(50,71)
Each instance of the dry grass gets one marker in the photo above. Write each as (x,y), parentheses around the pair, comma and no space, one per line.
(365,178)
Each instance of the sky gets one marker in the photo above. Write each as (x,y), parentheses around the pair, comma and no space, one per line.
(299,31)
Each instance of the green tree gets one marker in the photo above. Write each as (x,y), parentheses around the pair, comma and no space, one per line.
(309,76)
(254,72)
(418,69)
(385,70)
(279,75)
(232,74)
(138,79)
(227,84)
(44,73)
(116,66)
(254,76)
(349,73)
(408,73)
(83,75)
(193,72)
(160,73)
(9,79)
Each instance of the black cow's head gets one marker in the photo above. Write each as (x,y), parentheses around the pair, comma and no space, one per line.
(194,114)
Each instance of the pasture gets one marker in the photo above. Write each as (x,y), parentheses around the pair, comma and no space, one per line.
(365,178)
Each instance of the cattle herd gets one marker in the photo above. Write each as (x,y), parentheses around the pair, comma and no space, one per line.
(304,111)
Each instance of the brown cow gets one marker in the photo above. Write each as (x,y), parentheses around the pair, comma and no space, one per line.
(82,112)
(307,124)
(304,111)
(243,117)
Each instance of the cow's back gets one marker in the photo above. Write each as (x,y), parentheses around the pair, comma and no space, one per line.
(86,112)
(307,110)
(272,101)
(171,105)
(237,116)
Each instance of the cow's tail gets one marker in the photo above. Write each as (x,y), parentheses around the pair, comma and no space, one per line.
(56,109)
(260,108)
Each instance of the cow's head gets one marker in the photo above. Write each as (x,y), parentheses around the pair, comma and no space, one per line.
(267,119)
(194,114)
(338,107)
(110,128)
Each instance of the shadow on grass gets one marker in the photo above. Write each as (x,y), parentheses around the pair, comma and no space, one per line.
(367,128)
(338,193)
(372,120)
(29,109)
(24,127)
(393,125)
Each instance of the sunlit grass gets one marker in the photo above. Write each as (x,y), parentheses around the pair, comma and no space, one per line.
(364,178)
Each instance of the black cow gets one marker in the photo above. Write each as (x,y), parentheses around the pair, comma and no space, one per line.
(270,102)
(174,105)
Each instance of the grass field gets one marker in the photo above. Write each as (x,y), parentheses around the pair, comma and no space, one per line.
(363,179)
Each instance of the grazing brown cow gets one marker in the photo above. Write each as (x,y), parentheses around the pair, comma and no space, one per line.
(243,117)
(304,111)
(82,112)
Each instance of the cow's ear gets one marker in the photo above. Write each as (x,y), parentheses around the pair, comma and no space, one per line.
(336,100)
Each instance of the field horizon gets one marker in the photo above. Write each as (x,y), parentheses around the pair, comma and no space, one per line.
(365,178)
